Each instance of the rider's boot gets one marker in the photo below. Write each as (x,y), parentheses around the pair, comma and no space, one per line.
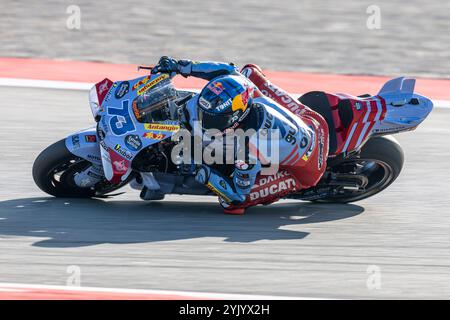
(231,209)
(237,211)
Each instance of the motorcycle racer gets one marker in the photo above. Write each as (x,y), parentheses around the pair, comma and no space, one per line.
(142,123)
(230,101)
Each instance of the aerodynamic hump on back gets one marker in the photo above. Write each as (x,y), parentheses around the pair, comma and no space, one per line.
(405,109)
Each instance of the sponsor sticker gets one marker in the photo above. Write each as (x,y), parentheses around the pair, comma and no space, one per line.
(124,153)
(321,145)
(92,157)
(223,184)
(120,166)
(273,189)
(161,127)
(141,82)
(269,179)
(274,185)
(241,165)
(90,138)
(116,167)
(240,102)
(76,141)
(224,105)
(216,191)
(122,90)
(216,87)
(103,89)
(103,86)
(242,180)
(303,142)
(107,97)
(101,134)
(136,111)
(154,135)
(276,94)
(133,142)
(152,83)
(204,103)
(308,153)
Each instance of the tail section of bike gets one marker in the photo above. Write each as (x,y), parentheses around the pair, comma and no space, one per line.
(405,109)
(353,120)
(360,161)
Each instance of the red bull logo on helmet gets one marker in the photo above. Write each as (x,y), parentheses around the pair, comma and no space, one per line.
(240,102)
(216,87)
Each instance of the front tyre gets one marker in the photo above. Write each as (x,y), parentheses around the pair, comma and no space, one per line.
(54,171)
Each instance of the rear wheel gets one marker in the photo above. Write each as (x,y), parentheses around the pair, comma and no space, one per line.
(54,171)
(377,166)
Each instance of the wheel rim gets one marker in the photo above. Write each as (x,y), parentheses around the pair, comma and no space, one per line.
(62,179)
(61,176)
(378,174)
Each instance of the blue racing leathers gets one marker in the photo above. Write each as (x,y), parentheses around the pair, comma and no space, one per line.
(294,139)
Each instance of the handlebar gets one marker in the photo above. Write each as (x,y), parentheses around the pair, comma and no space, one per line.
(145,68)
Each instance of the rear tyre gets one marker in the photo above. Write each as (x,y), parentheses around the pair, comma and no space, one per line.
(54,171)
(380,163)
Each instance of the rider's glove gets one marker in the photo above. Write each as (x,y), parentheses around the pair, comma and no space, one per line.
(219,185)
(166,65)
(169,65)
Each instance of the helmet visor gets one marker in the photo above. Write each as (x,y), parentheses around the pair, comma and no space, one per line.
(210,120)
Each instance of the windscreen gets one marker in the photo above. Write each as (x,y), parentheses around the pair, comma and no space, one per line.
(154,104)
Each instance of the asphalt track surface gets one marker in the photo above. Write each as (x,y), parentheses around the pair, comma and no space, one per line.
(185,243)
(288,35)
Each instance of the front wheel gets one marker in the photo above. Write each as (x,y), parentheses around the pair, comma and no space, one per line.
(378,165)
(54,171)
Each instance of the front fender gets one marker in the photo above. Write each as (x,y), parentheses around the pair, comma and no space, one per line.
(85,144)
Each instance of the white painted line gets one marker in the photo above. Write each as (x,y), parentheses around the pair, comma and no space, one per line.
(45,84)
(71,85)
(13,287)
(441,103)
(12,290)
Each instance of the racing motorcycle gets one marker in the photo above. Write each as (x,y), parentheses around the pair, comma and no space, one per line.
(130,138)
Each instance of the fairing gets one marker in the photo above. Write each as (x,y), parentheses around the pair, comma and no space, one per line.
(119,135)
